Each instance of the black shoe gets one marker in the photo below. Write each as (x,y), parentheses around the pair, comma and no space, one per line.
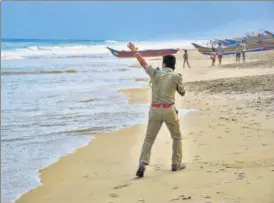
(141,170)
(178,167)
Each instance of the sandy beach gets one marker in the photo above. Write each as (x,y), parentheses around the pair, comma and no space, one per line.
(228,144)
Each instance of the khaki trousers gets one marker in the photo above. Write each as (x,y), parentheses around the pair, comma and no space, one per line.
(186,62)
(156,118)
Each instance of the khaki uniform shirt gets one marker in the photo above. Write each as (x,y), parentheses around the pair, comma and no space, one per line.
(165,82)
(185,56)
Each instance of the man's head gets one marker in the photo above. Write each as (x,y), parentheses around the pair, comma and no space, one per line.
(220,44)
(185,50)
(169,61)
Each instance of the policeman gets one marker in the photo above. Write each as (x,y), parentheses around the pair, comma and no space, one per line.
(165,82)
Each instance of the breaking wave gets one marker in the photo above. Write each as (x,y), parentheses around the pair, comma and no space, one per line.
(85,50)
(40,72)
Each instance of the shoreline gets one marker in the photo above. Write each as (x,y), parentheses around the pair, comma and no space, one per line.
(92,137)
(38,174)
(60,159)
(86,139)
(101,139)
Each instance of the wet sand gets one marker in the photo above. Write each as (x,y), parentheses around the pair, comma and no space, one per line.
(228,145)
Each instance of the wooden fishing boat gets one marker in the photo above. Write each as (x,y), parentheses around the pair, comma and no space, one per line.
(255,42)
(268,45)
(232,50)
(144,53)
(270,34)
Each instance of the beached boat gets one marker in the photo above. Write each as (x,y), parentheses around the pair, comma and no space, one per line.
(270,34)
(254,42)
(228,50)
(144,53)
(259,38)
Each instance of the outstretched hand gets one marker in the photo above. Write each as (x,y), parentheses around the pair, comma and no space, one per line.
(132,47)
(141,60)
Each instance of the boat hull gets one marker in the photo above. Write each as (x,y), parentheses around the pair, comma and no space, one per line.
(144,53)
(232,50)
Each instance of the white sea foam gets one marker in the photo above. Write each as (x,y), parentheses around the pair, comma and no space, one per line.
(89,50)
(111,41)
(41,109)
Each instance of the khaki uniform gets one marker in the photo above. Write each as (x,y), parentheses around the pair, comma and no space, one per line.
(165,82)
(186,60)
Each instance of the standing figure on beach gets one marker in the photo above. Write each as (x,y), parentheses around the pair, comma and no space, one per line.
(186,59)
(165,83)
(238,53)
(213,57)
(243,49)
(220,52)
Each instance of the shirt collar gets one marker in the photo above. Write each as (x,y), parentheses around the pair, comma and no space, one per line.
(168,69)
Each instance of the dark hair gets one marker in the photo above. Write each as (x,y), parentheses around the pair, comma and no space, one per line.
(213,49)
(169,61)
(185,50)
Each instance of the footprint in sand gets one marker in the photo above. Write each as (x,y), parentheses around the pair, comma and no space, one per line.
(156,167)
(121,186)
(174,188)
(112,195)
(181,197)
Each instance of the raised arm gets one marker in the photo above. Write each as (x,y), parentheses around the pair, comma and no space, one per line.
(149,69)
(139,57)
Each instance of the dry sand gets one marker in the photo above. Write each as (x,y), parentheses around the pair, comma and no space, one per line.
(228,145)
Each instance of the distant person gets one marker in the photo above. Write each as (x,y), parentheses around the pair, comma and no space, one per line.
(186,59)
(220,52)
(213,56)
(243,49)
(238,53)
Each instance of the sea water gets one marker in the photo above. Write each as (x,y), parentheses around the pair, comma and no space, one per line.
(55,96)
